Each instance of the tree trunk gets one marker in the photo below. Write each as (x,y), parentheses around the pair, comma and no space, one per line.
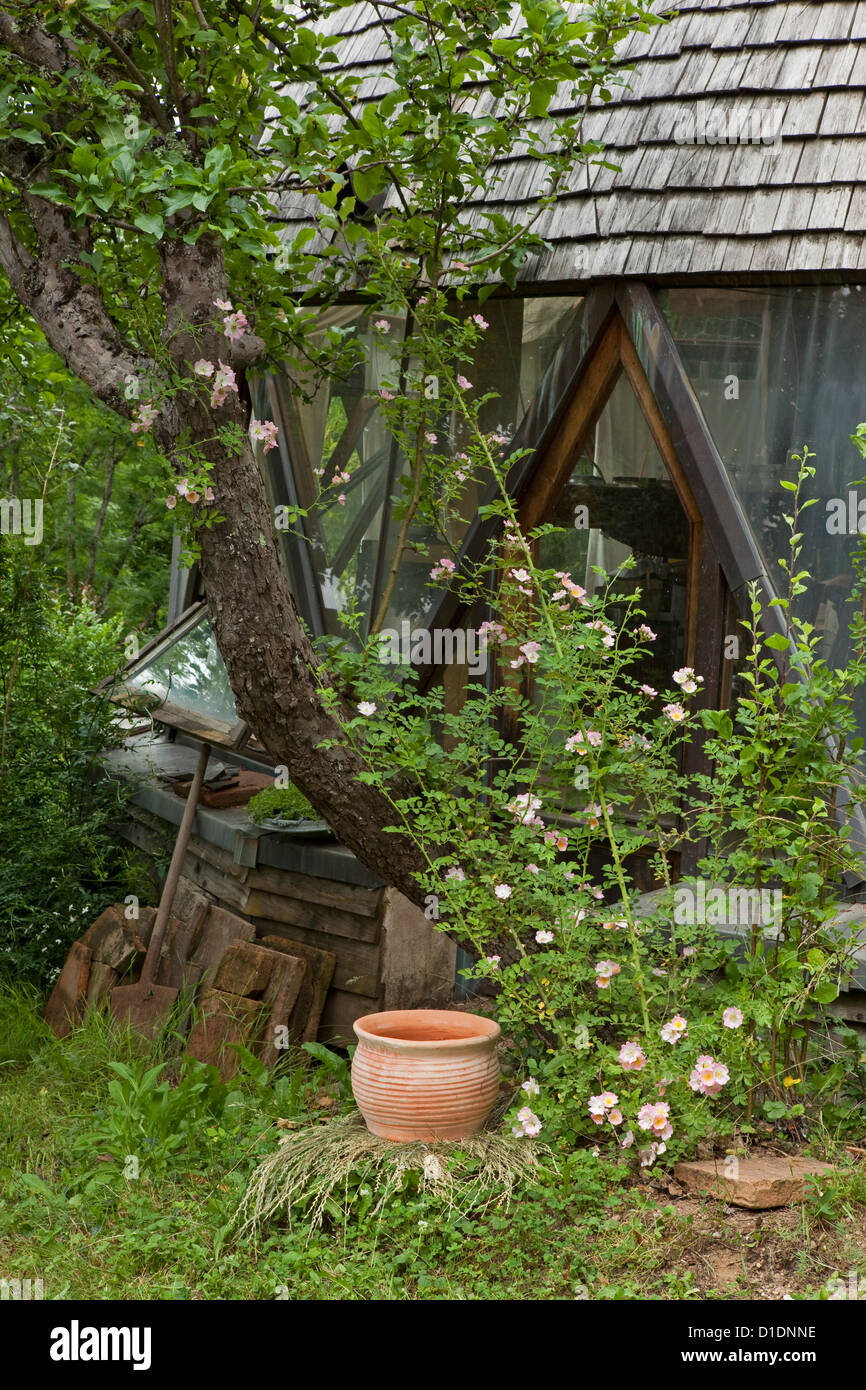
(269,659)
(272,669)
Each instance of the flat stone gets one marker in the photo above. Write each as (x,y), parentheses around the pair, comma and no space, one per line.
(281,995)
(218,931)
(176,945)
(756,1183)
(315,983)
(112,940)
(102,980)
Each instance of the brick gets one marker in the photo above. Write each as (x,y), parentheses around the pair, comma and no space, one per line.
(66,1006)
(244,969)
(756,1183)
(222,1019)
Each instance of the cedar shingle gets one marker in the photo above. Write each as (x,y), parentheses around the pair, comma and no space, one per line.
(671,208)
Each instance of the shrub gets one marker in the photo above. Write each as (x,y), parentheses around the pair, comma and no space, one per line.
(60,863)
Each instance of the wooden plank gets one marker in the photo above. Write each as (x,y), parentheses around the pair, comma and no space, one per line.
(349,897)
(216,857)
(829,209)
(584,409)
(418,962)
(339,1014)
(144,838)
(357,969)
(841,112)
(293,912)
(304,1021)
(796,72)
(220,885)
(332,921)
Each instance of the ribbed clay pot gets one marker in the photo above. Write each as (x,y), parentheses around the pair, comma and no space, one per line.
(425,1073)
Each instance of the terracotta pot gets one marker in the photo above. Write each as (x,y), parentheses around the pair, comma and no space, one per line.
(425,1073)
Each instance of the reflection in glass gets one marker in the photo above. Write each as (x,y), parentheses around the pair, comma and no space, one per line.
(621,489)
(348,546)
(774,370)
(190,673)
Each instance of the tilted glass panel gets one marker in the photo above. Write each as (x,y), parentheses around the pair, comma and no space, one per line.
(189,673)
(339,431)
(621,502)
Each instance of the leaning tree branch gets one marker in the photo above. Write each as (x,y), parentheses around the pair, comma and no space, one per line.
(34,46)
(69,311)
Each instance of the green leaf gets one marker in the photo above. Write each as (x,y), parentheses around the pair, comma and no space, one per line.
(46,190)
(540,97)
(150,223)
(777,642)
(826,992)
(124,166)
(368,184)
(36,1184)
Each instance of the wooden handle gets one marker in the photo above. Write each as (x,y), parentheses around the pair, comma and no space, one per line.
(166,902)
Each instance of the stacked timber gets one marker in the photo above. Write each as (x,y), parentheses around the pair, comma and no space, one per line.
(382,952)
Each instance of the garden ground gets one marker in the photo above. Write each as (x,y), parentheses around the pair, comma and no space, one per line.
(70,1216)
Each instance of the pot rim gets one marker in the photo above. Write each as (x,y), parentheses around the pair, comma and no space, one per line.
(488,1030)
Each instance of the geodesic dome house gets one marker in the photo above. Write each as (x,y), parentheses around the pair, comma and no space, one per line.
(698,315)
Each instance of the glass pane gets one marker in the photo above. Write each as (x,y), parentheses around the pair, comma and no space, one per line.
(517,350)
(190,673)
(349,545)
(620,501)
(337,431)
(774,370)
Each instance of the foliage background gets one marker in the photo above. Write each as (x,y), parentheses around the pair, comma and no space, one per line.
(67,607)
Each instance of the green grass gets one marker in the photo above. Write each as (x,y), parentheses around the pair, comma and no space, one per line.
(69,1215)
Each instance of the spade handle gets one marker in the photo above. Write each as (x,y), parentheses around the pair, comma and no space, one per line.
(166,902)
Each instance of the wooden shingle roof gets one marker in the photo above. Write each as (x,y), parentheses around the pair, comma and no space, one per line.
(795,208)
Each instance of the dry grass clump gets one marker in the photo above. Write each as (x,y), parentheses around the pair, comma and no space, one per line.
(312,1171)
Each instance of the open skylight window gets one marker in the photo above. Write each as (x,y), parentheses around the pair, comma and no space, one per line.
(181,680)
